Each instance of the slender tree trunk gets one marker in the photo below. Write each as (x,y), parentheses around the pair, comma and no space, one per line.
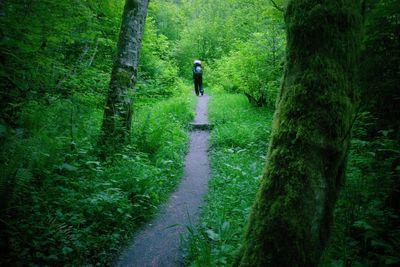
(117,119)
(290,219)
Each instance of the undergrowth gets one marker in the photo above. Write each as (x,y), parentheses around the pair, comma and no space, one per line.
(238,147)
(365,230)
(64,206)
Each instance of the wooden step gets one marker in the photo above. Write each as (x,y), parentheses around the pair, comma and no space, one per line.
(201,126)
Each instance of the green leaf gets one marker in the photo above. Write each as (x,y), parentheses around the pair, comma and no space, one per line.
(389,260)
(225,225)
(68,167)
(363,225)
(66,250)
(212,235)
(90,162)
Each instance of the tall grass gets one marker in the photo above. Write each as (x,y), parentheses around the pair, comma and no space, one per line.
(365,226)
(66,207)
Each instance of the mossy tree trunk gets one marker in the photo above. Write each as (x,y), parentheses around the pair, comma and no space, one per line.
(291,216)
(117,119)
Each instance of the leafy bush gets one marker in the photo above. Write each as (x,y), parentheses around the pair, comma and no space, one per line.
(68,208)
(69,51)
(164,121)
(253,68)
(366,214)
(158,74)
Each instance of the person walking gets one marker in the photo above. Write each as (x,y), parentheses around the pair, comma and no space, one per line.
(198,77)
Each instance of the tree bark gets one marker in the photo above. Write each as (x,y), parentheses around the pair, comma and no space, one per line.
(117,120)
(290,219)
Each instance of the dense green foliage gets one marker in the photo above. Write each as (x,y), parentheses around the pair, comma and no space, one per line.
(73,209)
(240,43)
(364,231)
(367,215)
(62,205)
(49,47)
(379,76)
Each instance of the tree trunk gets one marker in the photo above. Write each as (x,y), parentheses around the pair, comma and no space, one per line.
(117,119)
(290,219)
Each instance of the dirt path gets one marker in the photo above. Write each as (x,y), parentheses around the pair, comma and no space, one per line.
(159,243)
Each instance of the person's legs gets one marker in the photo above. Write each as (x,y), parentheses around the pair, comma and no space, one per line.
(201,89)
(196,88)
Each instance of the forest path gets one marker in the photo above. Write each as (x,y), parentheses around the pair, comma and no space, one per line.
(158,244)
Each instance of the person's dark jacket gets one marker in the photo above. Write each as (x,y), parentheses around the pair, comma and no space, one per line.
(198,78)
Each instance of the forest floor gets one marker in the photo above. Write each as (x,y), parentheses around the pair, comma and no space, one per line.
(158,243)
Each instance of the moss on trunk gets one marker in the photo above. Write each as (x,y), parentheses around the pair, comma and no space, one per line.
(117,119)
(290,219)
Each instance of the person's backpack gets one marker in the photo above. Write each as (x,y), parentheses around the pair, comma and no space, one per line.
(197,72)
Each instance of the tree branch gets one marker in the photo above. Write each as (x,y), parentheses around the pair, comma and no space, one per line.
(276,6)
